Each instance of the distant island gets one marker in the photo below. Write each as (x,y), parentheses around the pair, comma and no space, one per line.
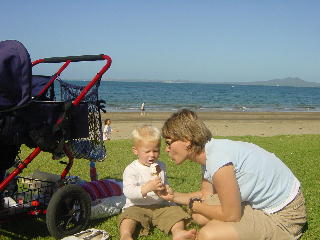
(288,82)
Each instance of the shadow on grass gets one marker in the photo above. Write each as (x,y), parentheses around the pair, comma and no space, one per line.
(108,178)
(98,222)
(305,228)
(24,227)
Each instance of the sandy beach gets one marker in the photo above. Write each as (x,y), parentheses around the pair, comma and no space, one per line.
(225,123)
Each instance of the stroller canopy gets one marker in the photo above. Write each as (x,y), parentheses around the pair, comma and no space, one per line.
(15,74)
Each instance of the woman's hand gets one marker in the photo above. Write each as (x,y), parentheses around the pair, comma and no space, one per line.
(167,193)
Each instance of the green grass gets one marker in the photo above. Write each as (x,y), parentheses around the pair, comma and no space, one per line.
(299,152)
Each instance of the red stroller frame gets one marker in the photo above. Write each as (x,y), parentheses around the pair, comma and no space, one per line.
(60,229)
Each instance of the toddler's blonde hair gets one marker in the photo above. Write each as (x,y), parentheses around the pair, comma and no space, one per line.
(146,133)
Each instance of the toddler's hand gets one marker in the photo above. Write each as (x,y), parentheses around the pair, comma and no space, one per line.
(154,184)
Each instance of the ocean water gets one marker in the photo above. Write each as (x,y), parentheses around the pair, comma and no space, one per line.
(128,96)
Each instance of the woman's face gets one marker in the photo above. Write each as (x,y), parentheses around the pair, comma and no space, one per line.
(177,150)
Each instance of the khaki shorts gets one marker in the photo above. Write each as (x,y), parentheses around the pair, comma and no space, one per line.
(164,217)
(283,225)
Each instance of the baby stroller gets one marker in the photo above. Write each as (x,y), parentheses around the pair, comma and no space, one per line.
(31,115)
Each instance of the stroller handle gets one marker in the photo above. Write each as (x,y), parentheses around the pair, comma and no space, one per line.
(67,61)
(74,58)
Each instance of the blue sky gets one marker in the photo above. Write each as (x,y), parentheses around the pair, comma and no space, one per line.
(212,41)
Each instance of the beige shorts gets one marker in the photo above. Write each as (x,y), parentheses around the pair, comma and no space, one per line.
(283,225)
(164,217)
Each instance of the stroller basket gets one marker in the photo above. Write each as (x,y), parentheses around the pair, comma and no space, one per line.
(91,147)
(26,195)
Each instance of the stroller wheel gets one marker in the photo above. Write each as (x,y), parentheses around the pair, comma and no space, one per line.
(68,211)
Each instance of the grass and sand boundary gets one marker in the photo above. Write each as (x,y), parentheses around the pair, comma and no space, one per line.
(226,123)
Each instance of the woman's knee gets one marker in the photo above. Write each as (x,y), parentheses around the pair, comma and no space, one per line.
(216,230)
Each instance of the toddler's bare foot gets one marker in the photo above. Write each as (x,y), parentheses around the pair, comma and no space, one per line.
(185,235)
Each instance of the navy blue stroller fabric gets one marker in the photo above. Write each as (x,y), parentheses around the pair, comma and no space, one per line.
(15,74)
(15,93)
(15,90)
(38,83)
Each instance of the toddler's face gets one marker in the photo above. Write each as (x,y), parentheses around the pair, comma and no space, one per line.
(147,152)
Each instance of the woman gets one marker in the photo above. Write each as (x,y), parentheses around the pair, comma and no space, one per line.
(246,192)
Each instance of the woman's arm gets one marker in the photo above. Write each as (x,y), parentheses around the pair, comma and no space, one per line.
(184,198)
(226,186)
(207,188)
(178,197)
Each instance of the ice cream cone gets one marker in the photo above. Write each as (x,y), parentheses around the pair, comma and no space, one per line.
(155,169)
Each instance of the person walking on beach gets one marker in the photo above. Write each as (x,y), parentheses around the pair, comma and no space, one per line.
(246,192)
(141,179)
(142,109)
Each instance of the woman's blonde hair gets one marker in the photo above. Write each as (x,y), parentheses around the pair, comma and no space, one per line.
(185,125)
(146,133)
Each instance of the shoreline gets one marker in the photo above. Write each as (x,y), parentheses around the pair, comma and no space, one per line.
(225,123)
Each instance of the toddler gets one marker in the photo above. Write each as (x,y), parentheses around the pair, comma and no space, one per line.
(140,184)
(107,130)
